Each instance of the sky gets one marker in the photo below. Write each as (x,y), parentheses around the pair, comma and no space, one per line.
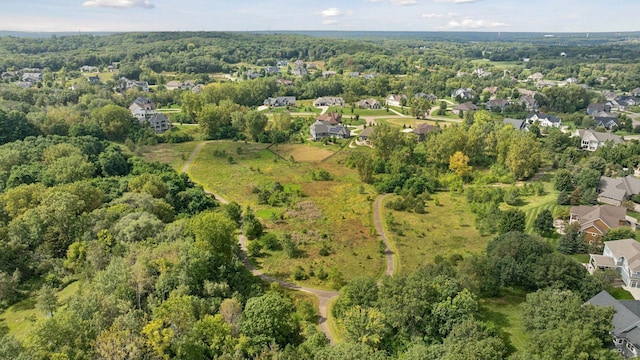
(349,15)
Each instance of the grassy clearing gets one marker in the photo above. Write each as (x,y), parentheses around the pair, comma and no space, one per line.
(620,293)
(411,122)
(506,313)
(173,154)
(335,215)
(303,153)
(444,230)
(499,65)
(21,317)
(346,111)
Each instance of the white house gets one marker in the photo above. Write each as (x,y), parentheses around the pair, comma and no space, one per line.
(395,99)
(593,140)
(544,120)
(142,108)
(622,255)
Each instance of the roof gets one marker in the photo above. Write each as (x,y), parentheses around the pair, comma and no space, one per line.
(466,106)
(626,320)
(610,215)
(627,248)
(516,123)
(604,261)
(424,128)
(600,136)
(366,132)
(543,116)
(498,103)
(599,107)
(332,118)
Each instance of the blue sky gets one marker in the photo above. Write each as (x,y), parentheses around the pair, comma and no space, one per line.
(381,15)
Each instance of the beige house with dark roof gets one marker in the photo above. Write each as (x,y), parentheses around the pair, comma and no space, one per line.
(593,140)
(595,221)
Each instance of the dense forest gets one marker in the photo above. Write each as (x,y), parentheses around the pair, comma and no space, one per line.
(154,260)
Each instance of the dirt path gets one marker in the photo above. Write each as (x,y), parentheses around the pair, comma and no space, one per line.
(324,297)
(388,254)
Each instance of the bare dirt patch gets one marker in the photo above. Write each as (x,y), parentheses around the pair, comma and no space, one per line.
(302,153)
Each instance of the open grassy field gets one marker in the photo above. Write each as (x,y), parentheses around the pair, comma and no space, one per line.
(21,317)
(334,215)
(446,229)
(500,65)
(173,154)
(506,313)
(346,111)
(411,122)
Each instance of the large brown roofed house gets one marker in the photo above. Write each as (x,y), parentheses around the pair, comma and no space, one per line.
(468,106)
(595,221)
(332,118)
(423,129)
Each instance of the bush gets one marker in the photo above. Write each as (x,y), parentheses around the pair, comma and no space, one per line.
(270,241)
(321,175)
(254,249)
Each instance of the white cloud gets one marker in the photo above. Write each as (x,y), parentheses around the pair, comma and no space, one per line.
(330,22)
(331,12)
(474,24)
(438,15)
(456,1)
(404,2)
(122,4)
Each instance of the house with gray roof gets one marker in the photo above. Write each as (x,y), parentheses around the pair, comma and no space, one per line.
(159,123)
(423,129)
(593,140)
(322,129)
(598,107)
(280,101)
(529,102)
(516,123)
(625,321)
(142,108)
(622,255)
(329,101)
(371,104)
(464,107)
(422,95)
(497,104)
(365,134)
(463,93)
(615,191)
(544,120)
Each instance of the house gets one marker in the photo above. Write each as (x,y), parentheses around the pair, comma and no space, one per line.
(544,120)
(568,81)
(535,77)
(497,104)
(32,77)
(491,90)
(329,101)
(609,95)
(464,107)
(142,108)
(365,134)
(283,63)
(285,82)
(125,84)
(463,93)
(280,101)
(395,99)
(271,70)
(626,323)
(159,123)
(300,71)
(93,80)
(312,66)
(622,255)
(188,84)
(326,74)
(622,102)
(353,74)
(593,140)
(298,63)
(173,85)
(635,92)
(615,191)
(332,118)
(371,76)
(88,69)
(430,97)
(252,74)
(371,104)
(321,129)
(595,221)
(545,83)
(423,129)
(481,72)
(529,103)
(8,75)
(197,88)
(516,123)
(598,107)
(606,120)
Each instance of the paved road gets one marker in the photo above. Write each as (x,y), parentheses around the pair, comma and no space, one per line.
(325,297)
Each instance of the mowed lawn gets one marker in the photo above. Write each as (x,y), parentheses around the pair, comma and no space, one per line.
(412,123)
(21,317)
(334,214)
(446,229)
(506,313)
